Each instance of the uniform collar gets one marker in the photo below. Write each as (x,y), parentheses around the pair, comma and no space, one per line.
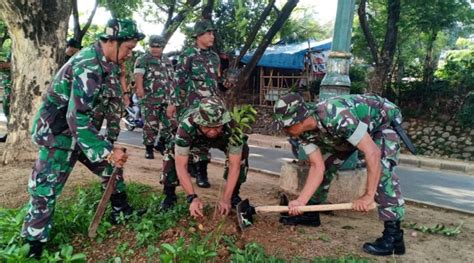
(108,67)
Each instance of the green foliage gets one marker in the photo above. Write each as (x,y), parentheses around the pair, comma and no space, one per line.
(121,9)
(252,252)
(358,76)
(235,20)
(301,27)
(244,116)
(72,217)
(197,250)
(438,229)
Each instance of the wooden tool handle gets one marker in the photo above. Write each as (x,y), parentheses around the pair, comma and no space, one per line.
(307,208)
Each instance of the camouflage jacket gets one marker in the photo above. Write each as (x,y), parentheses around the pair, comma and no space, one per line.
(197,75)
(64,119)
(158,77)
(342,122)
(190,136)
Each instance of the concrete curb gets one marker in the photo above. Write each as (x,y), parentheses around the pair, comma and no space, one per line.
(405,159)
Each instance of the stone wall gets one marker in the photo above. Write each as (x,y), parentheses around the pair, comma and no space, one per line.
(263,121)
(437,139)
(431,138)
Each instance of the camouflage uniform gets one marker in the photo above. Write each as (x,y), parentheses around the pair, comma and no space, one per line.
(210,113)
(342,121)
(197,77)
(189,136)
(158,80)
(66,133)
(7,90)
(110,108)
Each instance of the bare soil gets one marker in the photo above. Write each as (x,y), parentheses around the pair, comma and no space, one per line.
(341,233)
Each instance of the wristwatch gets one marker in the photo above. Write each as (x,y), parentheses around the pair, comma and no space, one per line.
(191,197)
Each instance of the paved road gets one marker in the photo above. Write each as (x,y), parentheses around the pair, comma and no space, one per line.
(440,188)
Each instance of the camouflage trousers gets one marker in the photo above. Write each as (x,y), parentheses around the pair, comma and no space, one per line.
(388,195)
(49,175)
(111,111)
(153,115)
(169,176)
(6,102)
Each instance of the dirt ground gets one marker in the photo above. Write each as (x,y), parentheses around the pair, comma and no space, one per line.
(340,234)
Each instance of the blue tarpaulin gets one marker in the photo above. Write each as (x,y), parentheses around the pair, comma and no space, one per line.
(288,56)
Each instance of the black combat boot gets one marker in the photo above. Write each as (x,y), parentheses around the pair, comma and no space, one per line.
(235,199)
(170,198)
(201,178)
(160,146)
(390,243)
(193,169)
(149,152)
(306,219)
(36,249)
(120,206)
(4,138)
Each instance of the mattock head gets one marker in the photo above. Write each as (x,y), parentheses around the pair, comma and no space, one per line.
(245,213)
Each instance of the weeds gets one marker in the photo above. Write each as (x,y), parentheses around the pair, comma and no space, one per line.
(438,229)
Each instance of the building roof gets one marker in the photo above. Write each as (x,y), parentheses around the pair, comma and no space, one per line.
(289,56)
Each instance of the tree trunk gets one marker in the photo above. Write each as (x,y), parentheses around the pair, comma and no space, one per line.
(429,63)
(38,30)
(383,59)
(281,19)
(78,32)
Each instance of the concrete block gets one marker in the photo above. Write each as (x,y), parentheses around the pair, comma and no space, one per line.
(454,166)
(411,161)
(470,169)
(428,163)
(346,186)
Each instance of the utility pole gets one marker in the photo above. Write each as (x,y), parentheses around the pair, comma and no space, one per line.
(336,81)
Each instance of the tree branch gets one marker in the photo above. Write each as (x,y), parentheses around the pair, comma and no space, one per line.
(364,25)
(253,34)
(75,16)
(89,21)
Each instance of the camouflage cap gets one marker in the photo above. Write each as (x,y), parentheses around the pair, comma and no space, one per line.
(121,29)
(289,110)
(157,41)
(202,26)
(211,112)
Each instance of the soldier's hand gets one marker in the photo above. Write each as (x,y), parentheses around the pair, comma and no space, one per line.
(363,203)
(126,100)
(293,207)
(140,93)
(170,111)
(224,207)
(119,157)
(195,208)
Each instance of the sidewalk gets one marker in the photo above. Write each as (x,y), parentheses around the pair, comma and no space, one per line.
(405,159)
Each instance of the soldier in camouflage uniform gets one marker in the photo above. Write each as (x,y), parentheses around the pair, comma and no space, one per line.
(207,126)
(7,90)
(198,74)
(330,132)
(65,132)
(154,78)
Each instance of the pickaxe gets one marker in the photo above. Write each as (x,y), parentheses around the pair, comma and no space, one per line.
(245,211)
(92,233)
